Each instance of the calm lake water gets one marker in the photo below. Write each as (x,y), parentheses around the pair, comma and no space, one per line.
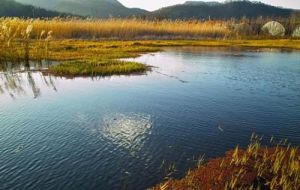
(124,132)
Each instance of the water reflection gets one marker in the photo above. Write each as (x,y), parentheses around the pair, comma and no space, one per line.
(20,79)
(32,66)
(127,131)
(226,51)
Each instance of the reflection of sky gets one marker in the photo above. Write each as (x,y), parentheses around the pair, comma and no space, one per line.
(127,131)
(163,62)
(172,63)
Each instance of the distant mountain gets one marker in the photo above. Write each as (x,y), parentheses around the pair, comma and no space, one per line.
(215,10)
(11,8)
(210,3)
(113,8)
(46,4)
(95,8)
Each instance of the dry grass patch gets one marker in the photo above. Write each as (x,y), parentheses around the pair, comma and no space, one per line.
(257,167)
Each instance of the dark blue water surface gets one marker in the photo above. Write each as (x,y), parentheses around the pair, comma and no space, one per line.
(124,132)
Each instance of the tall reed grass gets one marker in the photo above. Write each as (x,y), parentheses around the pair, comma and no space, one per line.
(15,39)
(72,28)
(132,29)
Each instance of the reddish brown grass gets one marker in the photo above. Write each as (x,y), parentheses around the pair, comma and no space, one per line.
(254,168)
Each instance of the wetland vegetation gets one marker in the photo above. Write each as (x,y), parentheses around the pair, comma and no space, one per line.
(93,47)
(257,167)
(75,44)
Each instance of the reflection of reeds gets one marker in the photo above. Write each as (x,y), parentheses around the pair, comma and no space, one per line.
(12,84)
(15,84)
(254,168)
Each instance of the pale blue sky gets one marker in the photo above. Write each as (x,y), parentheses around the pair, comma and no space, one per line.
(155,4)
